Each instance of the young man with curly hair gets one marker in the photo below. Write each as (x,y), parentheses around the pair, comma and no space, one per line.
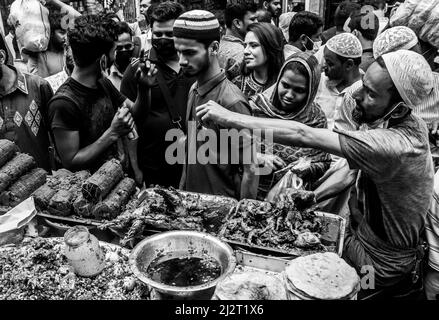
(84,114)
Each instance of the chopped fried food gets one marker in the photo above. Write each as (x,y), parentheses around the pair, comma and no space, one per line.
(38,270)
(170,209)
(280,225)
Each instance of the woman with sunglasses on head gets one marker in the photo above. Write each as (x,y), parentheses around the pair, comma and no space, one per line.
(263,58)
(292,98)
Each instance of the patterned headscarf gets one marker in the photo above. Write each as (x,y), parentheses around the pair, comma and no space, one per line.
(411,74)
(345,45)
(267,101)
(393,39)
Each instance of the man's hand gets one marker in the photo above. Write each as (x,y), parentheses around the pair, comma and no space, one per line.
(122,123)
(271,161)
(394,9)
(146,74)
(213,112)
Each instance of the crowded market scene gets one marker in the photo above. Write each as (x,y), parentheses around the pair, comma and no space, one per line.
(219,150)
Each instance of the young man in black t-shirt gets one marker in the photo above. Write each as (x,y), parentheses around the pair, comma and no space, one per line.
(84,114)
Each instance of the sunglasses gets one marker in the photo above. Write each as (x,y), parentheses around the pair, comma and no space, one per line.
(169,34)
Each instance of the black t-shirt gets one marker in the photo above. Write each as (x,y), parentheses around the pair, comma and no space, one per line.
(89,111)
(152,130)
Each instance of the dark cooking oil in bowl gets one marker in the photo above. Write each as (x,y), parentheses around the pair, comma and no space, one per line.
(184,270)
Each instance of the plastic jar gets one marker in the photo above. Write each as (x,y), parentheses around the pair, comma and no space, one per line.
(83,252)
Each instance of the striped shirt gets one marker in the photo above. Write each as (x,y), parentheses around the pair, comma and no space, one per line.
(432,226)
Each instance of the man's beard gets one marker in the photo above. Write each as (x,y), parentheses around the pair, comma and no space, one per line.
(1,73)
(203,67)
(357,115)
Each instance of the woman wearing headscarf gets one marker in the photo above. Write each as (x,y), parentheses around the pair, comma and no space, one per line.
(292,98)
(263,58)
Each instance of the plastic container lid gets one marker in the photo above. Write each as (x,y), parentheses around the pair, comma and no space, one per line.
(76,236)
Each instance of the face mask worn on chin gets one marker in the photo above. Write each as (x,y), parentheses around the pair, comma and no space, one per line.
(164,47)
(123,59)
(382,122)
(315,46)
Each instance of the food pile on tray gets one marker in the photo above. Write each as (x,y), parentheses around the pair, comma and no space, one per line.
(170,209)
(19,176)
(38,270)
(287,224)
(102,195)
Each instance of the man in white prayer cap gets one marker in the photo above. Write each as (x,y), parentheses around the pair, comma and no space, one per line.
(395,182)
(396,38)
(342,60)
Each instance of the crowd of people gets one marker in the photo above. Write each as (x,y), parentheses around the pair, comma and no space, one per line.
(360,104)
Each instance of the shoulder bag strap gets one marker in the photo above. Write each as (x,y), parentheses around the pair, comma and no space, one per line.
(170,101)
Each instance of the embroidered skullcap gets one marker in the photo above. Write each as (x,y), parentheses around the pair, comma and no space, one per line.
(345,45)
(411,74)
(198,25)
(393,39)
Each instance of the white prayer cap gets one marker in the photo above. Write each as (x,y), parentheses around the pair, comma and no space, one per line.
(393,39)
(411,74)
(345,45)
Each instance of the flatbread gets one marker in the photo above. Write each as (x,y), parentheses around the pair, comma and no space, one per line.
(252,285)
(323,276)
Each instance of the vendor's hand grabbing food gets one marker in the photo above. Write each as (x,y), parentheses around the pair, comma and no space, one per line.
(283,225)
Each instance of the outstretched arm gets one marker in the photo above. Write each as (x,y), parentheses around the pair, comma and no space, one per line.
(63,7)
(286,132)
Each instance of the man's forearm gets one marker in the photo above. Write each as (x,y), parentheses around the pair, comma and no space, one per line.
(284,132)
(288,132)
(92,152)
(64,8)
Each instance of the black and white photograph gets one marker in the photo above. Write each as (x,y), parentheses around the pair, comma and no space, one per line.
(219,154)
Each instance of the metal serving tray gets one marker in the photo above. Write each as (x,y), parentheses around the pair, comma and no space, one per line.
(332,238)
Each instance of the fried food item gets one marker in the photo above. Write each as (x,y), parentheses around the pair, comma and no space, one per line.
(8,149)
(100,184)
(38,270)
(14,169)
(170,209)
(251,285)
(23,187)
(280,225)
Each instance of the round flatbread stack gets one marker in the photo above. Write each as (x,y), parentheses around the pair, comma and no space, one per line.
(321,276)
(252,285)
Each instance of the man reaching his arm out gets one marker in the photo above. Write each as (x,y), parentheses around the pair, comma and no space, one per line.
(396,174)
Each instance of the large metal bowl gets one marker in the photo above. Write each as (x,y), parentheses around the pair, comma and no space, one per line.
(191,242)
